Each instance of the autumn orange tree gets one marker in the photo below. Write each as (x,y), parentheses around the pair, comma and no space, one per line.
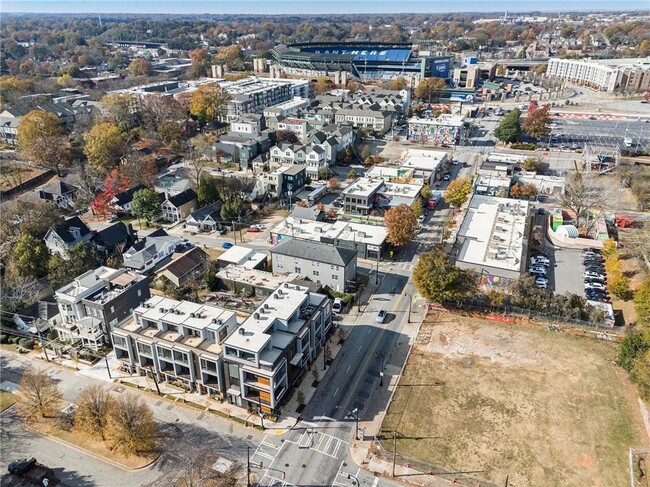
(401,224)
(537,121)
(209,103)
(114,183)
(41,138)
(458,191)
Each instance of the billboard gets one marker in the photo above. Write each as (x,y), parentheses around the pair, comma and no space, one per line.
(440,67)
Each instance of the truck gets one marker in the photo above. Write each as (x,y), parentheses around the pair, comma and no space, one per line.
(34,472)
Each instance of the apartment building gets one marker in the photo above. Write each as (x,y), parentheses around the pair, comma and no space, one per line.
(96,302)
(269,352)
(296,125)
(607,75)
(325,264)
(287,108)
(282,181)
(378,120)
(313,157)
(178,341)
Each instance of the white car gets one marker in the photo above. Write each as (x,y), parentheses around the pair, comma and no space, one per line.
(595,285)
(539,260)
(541,280)
(593,275)
(258,225)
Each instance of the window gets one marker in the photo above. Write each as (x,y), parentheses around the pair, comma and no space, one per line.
(297,270)
(119,341)
(315,273)
(139,292)
(208,365)
(112,309)
(223,333)
(144,348)
(193,332)
(164,353)
(172,328)
(335,277)
(180,357)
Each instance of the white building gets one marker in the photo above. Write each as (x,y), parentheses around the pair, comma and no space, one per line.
(425,165)
(287,108)
(445,130)
(178,341)
(603,74)
(493,239)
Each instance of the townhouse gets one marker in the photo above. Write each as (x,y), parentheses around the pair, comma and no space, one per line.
(179,342)
(378,120)
(313,157)
(270,351)
(179,206)
(97,301)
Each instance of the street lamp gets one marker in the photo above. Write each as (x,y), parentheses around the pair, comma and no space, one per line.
(353,414)
(350,476)
(410,302)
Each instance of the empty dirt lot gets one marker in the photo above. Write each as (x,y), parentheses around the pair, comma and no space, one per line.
(543,407)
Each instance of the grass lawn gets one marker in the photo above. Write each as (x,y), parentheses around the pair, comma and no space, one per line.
(543,407)
(90,444)
(7,399)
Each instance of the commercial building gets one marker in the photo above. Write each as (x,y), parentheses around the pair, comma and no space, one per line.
(444,130)
(242,256)
(254,282)
(368,240)
(493,239)
(178,341)
(270,351)
(330,266)
(96,302)
(424,165)
(609,75)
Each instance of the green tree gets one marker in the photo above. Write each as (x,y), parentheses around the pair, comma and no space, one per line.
(458,191)
(104,146)
(29,256)
(352,174)
(131,426)
(146,205)
(401,224)
(438,279)
(640,374)
(80,259)
(207,190)
(209,103)
(532,164)
(631,347)
(509,128)
(642,304)
(425,193)
(418,207)
(232,210)
(140,67)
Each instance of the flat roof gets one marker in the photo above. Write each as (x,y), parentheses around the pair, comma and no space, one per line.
(444,119)
(363,187)
(493,233)
(254,277)
(340,230)
(194,315)
(244,256)
(420,159)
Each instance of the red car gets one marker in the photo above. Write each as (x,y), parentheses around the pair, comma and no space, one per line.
(253,230)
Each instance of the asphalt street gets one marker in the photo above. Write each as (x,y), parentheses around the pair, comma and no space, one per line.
(183,429)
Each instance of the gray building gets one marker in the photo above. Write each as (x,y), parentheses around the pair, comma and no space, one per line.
(328,265)
(96,301)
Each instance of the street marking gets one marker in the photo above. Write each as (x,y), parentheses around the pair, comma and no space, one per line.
(336,391)
(348,369)
(360,347)
(270,445)
(376,482)
(265,455)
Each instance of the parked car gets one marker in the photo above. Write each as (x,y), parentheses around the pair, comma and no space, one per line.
(227,245)
(337,305)
(591,250)
(593,274)
(111,219)
(253,230)
(537,269)
(539,259)
(421,218)
(594,279)
(541,280)
(381,316)
(258,225)
(594,285)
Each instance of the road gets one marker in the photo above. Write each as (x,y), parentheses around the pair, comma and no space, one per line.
(316,451)
(181,427)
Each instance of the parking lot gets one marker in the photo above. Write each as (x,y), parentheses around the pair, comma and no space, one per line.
(573,134)
(565,273)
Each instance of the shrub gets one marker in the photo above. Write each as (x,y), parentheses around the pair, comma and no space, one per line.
(523,146)
(14,340)
(345,297)
(619,286)
(4,339)
(632,346)
(27,343)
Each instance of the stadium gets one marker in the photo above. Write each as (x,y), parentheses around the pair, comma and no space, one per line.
(363,60)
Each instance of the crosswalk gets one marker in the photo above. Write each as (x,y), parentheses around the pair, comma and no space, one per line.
(265,453)
(348,478)
(322,442)
(270,481)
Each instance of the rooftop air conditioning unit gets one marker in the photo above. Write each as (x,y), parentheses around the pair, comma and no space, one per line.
(214,320)
(276,296)
(242,331)
(162,310)
(266,306)
(286,285)
(192,315)
(256,316)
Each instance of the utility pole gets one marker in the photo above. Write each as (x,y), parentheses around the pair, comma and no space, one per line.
(410,302)
(377,273)
(155,379)
(108,369)
(234,231)
(248,466)
(395,450)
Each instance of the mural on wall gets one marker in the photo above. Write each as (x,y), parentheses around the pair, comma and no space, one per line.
(439,134)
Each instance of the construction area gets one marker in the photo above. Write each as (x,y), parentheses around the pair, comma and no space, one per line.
(490,403)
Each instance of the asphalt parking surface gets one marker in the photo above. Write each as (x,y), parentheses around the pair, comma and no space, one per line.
(601,133)
(565,273)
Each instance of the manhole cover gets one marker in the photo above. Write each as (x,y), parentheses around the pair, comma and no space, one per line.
(249,437)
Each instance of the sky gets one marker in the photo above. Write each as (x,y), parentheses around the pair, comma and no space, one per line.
(312,6)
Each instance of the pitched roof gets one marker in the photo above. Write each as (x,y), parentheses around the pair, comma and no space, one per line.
(314,251)
(312,213)
(59,188)
(63,230)
(126,196)
(187,262)
(213,211)
(182,198)
(116,233)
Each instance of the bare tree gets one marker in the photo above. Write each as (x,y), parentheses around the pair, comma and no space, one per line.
(196,468)
(94,405)
(582,195)
(16,290)
(132,428)
(40,393)
(200,155)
